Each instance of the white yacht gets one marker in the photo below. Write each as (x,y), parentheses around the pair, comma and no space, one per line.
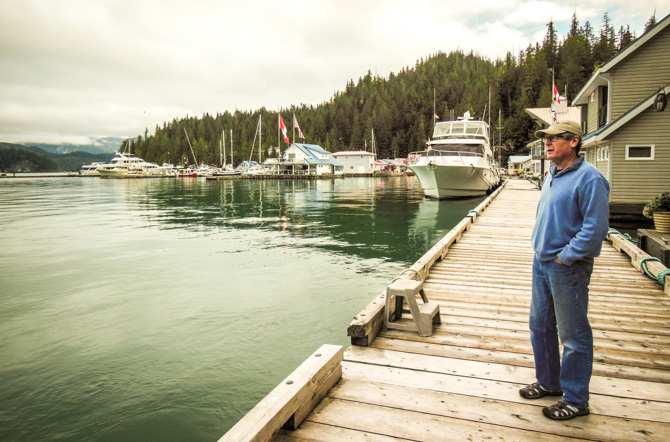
(90,169)
(458,161)
(166,169)
(124,165)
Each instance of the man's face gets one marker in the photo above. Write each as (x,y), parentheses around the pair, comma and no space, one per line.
(558,148)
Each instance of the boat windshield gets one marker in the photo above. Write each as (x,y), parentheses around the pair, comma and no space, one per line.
(460,129)
(451,149)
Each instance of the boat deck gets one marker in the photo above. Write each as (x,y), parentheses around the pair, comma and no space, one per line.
(462,382)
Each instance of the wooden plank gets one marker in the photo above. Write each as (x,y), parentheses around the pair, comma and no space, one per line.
(465,325)
(604,405)
(312,431)
(605,322)
(509,358)
(268,416)
(410,425)
(605,356)
(521,416)
(642,390)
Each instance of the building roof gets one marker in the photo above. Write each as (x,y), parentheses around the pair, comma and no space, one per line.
(603,132)
(599,77)
(518,158)
(311,150)
(352,153)
(543,116)
(390,162)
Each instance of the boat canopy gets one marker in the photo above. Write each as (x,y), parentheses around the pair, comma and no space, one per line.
(461,129)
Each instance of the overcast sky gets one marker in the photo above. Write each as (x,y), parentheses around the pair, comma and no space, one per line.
(74,69)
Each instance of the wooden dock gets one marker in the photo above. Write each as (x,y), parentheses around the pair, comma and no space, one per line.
(462,382)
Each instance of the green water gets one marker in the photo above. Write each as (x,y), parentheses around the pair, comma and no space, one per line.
(154,310)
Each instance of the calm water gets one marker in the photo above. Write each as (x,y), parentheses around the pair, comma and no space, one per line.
(153,310)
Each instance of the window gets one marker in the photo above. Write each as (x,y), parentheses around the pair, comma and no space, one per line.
(640,152)
(603,153)
(602,108)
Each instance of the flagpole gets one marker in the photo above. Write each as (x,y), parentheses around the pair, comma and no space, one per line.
(553,98)
(294,120)
(278,141)
(434,111)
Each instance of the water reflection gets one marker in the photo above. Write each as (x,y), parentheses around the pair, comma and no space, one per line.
(384,218)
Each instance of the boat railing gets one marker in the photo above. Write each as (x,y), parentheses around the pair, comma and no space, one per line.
(414,157)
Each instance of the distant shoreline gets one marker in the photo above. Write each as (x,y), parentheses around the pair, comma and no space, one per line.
(41,175)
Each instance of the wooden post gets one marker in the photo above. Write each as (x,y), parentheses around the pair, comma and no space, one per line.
(293,399)
(636,255)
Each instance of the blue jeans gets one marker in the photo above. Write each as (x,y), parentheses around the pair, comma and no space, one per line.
(559,309)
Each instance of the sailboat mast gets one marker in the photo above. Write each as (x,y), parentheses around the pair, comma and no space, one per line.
(191,147)
(231,148)
(260,137)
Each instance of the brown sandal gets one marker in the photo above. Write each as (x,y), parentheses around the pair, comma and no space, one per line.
(536,391)
(562,411)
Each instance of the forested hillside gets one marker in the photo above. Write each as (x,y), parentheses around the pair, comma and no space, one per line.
(400,108)
(20,158)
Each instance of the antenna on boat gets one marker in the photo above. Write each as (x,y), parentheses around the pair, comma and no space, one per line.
(489,105)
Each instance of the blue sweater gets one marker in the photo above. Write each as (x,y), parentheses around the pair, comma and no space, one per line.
(572,215)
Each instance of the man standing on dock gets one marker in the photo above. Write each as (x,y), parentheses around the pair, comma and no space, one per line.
(572,222)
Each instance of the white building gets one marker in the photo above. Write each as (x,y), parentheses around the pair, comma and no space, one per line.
(305,159)
(356,162)
(522,162)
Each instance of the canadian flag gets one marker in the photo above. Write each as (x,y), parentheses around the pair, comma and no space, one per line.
(283,130)
(556,96)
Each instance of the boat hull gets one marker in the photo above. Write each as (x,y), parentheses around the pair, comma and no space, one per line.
(454,181)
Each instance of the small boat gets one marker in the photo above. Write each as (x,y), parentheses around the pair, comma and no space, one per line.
(203,170)
(225,171)
(458,161)
(187,172)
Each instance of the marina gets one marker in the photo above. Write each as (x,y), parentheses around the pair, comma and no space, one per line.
(462,381)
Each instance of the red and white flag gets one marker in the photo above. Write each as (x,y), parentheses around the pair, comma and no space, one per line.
(556,96)
(297,126)
(436,117)
(283,130)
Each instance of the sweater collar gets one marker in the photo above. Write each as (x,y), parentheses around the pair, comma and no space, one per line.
(574,166)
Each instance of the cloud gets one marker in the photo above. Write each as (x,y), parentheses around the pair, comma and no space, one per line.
(73,68)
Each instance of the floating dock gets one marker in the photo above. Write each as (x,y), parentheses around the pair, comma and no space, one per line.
(462,382)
